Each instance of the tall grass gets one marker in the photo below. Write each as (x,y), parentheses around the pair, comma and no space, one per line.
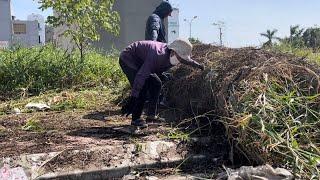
(38,69)
(280,124)
(308,53)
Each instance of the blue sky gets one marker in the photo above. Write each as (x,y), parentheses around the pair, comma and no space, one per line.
(23,8)
(245,19)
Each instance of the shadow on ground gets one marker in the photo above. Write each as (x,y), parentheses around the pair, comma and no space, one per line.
(123,132)
(102,115)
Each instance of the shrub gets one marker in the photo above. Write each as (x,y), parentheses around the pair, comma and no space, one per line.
(38,69)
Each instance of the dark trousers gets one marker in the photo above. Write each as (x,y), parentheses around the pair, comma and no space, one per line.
(152,86)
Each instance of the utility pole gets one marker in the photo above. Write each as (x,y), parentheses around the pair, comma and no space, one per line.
(220,25)
(190,24)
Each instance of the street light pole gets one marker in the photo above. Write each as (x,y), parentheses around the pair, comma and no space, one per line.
(190,33)
(220,25)
(190,24)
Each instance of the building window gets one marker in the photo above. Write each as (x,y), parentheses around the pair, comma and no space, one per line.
(39,40)
(19,28)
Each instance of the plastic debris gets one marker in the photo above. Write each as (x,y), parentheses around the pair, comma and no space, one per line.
(38,106)
(265,172)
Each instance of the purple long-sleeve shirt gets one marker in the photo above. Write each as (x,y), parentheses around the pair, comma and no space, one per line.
(147,57)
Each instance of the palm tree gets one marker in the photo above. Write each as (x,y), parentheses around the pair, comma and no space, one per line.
(295,32)
(270,35)
(311,37)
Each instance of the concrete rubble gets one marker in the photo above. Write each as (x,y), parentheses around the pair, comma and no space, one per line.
(96,163)
(7,173)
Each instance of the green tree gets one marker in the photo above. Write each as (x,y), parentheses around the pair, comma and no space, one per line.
(195,41)
(270,35)
(82,19)
(295,39)
(295,32)
(311,38)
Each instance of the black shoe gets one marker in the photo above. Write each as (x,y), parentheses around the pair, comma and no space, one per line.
(139,123)
(155,119)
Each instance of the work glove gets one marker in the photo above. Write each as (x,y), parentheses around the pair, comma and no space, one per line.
(128,107)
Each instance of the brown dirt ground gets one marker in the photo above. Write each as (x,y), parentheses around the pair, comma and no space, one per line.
(69,130)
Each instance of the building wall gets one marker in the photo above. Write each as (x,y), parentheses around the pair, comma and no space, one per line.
(133,14)
(30,38)
(49,34)
(42,30)
(61,40)
(5,23)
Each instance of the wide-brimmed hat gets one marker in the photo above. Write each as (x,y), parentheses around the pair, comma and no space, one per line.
(182,47)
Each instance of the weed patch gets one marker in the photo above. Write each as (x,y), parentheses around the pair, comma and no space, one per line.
(32,125)
(32,71)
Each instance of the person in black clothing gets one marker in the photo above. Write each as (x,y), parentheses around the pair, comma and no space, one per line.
(155,29)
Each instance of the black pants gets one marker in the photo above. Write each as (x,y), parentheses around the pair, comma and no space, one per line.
(152,86)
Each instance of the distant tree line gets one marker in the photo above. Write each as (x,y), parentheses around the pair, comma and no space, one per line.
(298,38)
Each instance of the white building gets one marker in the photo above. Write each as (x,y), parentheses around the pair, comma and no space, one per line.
(5,23)
(41,26)
(26,33)
(173,25)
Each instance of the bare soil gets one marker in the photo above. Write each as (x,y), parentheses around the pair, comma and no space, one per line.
(69,130)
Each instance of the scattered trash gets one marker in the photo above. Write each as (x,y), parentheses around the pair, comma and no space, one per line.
(7,173)
(16,111)
(129,177)
(265,172)
(151,178)
(38,106)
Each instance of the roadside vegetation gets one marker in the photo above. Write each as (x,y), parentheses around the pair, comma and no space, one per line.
(58,78)
(32,71)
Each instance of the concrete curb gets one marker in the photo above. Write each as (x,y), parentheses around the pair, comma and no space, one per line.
(110,173)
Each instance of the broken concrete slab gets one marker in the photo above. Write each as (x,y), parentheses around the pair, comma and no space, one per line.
(101,162)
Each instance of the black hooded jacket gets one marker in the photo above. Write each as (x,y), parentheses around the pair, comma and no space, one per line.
(155,29)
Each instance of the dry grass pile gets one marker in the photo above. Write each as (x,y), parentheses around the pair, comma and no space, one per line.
(269,103)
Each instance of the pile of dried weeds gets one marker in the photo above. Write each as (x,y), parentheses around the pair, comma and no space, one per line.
(269,103)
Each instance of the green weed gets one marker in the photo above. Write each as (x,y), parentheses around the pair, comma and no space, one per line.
(176,134)
(32,125)
(300,52)
(281,125)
